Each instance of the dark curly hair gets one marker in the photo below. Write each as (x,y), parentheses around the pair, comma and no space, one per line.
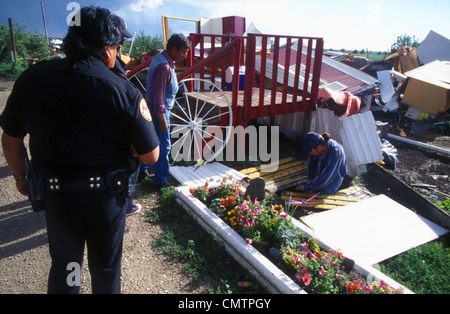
(98,29)
(179,41)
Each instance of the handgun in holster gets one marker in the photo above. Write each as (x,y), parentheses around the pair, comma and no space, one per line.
(117,183)
(35,188)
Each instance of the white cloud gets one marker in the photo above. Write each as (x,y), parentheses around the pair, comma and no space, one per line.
(144,5)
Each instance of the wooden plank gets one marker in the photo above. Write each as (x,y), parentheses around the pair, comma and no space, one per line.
(266,101)
(274,184)
(283,170)
(337,197)
(258,168)
(324,202)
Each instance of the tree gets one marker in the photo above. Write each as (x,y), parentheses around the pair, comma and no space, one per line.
(405,41)
(28,46)
(143,44)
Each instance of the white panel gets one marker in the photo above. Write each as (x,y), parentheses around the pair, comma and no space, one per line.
(194,178)
(372,230)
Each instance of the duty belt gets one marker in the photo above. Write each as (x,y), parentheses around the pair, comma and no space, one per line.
(115,182)
(95,183)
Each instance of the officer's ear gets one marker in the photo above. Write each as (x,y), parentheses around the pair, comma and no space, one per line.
(109,56)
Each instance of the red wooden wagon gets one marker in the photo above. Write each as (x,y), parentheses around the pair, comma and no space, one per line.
(270,87)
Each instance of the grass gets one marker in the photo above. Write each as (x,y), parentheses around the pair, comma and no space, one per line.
(199,252)
(424,270)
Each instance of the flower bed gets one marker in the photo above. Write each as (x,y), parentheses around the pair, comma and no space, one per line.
(268,227)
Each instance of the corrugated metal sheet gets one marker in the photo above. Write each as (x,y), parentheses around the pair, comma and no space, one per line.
(357,134)
(332,70)
(214,171)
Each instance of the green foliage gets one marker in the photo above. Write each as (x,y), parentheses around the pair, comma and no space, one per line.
(28,46)
(445,205)
(405,41)
(423,269)
(7,69)
(142,44)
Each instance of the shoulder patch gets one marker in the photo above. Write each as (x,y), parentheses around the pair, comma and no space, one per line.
(145,112)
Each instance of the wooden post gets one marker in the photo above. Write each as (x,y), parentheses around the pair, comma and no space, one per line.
(45,25)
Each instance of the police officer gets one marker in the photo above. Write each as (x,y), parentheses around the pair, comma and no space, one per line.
(82,120)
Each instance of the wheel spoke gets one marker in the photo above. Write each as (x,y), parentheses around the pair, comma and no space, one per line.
(206,101)
(187,100)
(185,113)
(178,117)
(184,138)
(213,136)
(216,116)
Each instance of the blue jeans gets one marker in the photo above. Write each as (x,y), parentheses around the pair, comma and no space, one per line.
(161,167)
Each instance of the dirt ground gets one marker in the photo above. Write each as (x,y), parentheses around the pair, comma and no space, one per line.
(25,261)
(425,170)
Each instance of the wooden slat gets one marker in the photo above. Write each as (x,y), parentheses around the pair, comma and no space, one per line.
(337,196)
(343,197)
(258,168)
(283,170)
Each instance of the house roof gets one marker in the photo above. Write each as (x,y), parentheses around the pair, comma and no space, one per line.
(353,80)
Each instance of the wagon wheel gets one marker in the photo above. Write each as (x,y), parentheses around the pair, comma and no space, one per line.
(201,121)
(138,76)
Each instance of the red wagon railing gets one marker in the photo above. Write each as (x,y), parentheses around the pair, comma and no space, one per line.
(282,75)
(265,93)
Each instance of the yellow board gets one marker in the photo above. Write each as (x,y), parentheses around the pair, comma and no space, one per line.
(291,172)
(288,173)
(341,198)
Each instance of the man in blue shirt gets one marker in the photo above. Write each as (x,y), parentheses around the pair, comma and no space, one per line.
(162,87)
(327,165)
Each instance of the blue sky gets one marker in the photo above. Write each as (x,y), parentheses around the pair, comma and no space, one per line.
(350,24)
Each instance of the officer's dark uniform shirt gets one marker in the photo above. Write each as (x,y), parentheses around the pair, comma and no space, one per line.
(81,122)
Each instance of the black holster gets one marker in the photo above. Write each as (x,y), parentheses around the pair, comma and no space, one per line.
(117,183)
(35,189)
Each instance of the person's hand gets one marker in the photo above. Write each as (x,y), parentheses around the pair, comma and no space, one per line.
(163,126)
(21,186)
(299,188)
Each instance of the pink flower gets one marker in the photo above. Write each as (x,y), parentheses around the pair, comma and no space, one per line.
(249,241)
(322,271)
(306,279)
(284,215)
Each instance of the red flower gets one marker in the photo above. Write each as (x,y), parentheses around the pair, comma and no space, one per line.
(232,199)
(352,287)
